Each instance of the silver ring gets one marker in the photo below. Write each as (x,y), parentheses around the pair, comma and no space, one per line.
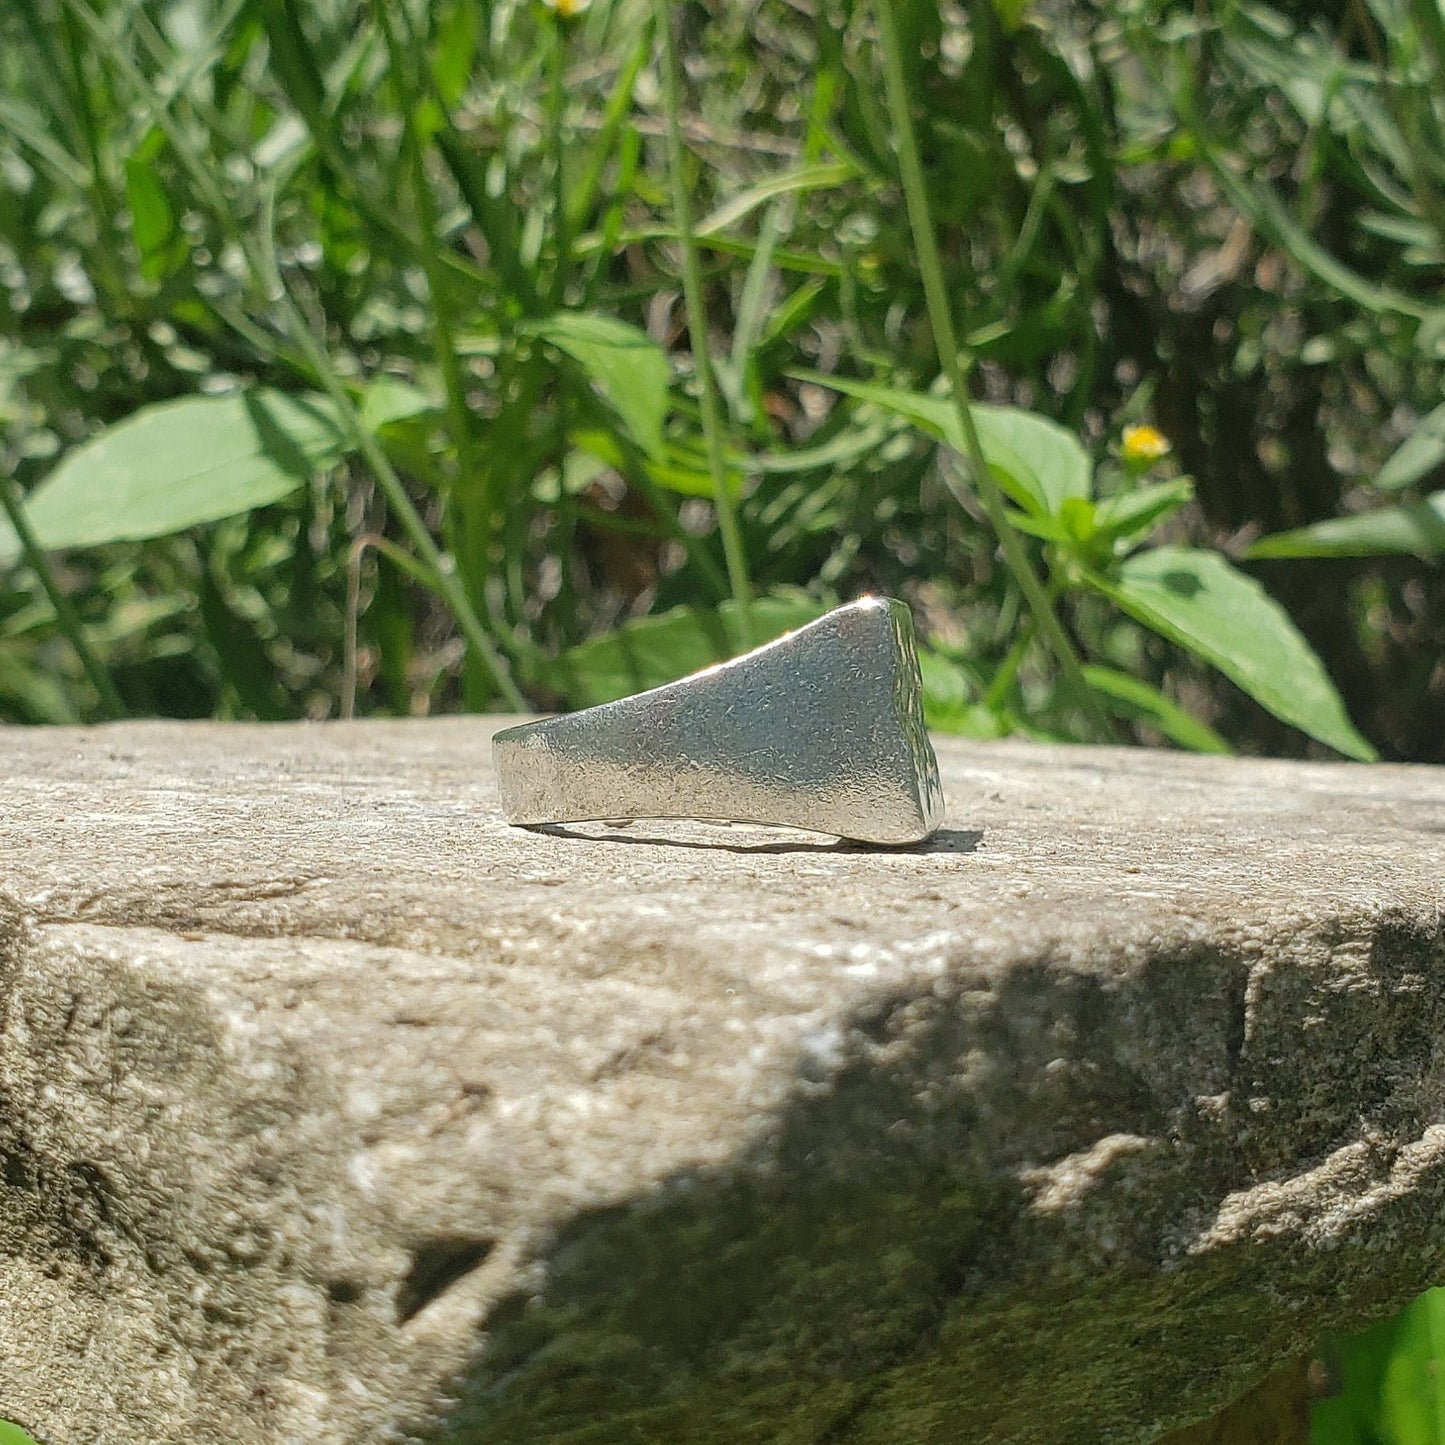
(821,729)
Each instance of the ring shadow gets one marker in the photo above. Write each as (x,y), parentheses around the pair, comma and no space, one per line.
(945,840)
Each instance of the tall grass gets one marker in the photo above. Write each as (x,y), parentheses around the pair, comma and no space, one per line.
(566,394)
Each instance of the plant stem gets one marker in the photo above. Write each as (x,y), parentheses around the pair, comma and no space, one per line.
(956,368)
(66,615)
(1003,680)
(408,101)
(604,145)
(200,173)
(712,422)
(472,484)
(556,108)
(264,264)
(562,260)
(444,576)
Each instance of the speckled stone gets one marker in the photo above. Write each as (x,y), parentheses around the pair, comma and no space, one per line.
(334,1110)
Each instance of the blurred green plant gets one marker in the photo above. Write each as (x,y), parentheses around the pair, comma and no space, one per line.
(1190,596)
(1385,1386)
(419,327)
(1372,93)
(1306,342)
(13,1435)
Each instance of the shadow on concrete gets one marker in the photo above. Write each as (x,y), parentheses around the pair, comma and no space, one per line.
(985,1216)
(950,840)
(946,840)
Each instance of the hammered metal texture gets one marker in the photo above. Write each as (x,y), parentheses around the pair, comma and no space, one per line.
(822,729)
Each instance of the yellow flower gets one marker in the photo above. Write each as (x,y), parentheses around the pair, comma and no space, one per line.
(567,9)
(1144,444)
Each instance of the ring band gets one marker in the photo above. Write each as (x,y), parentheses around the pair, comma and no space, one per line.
(821,729)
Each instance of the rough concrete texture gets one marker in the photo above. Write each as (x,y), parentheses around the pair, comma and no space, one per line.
(334,1110)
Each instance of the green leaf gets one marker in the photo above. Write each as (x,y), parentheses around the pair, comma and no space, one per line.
(1036,451)
(1413,1399)
(1047,529)
(949,695)
(970,720)
(241,653)
(179,464)
(691,482)
(1129,514)
(946,687)
(1416,530)
(153,221)
(1261,204)
(34,695)
(631,371)
(1386,1381)
(403,418)
(34,128)
(1035,461)
(1011,13)
(14,1435)
(1078,518)
(389,623)
(1195,598)
(825,176)
(387,399)
(455,50)
(1134,700)
(842,450)
(1421,452)
(657,650)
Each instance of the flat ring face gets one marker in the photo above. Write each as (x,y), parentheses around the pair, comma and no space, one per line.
(822,729)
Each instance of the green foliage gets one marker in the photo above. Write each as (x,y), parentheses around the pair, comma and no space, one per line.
(1192,597)
(1129,515)
(1036,463)
(1417,456)
(1416,530)
(13,1435)
(179,464)
(630,371)
(1133,700)
(388,302)
(1386,1387)
(1198,600)
(655,650)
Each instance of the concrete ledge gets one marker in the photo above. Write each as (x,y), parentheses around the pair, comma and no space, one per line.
(332,1109)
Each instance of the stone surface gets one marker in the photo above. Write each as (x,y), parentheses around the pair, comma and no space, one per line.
(334,1110)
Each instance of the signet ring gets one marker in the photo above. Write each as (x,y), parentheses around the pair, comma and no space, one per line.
(821,729)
